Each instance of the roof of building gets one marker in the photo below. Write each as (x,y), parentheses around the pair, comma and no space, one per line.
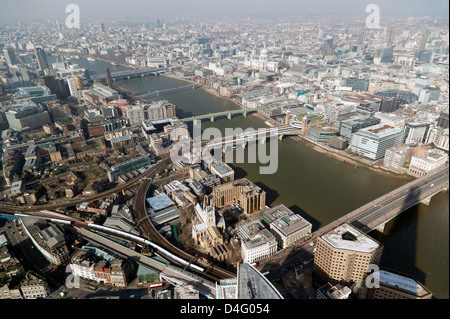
(349,238)
(253,285)
(160,201)
(404,283)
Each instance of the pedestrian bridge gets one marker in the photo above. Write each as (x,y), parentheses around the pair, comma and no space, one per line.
(158,93)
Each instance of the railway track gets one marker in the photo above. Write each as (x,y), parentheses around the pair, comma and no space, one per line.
(148,230)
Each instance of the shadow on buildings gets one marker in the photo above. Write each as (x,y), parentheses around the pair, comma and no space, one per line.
(271,194)
(397,257)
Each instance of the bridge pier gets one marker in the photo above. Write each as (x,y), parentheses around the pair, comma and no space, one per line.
(263,141)
(212,119)
(229,116)
(195,122)
(381,228)
(280,137)
(245,114)
(426,201)
(244,144)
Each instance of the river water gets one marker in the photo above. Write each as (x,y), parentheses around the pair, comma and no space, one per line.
(322,189)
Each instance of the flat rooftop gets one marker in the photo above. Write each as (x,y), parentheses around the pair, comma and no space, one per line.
(349,238)
(160,201)
(404,283)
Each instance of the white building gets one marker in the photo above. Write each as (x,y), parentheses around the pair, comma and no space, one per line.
(372,142)
(422,165)
(396,156)
(439,137)
(415,132)
(256,242)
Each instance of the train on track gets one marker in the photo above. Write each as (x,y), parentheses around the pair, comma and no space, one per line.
(95,227)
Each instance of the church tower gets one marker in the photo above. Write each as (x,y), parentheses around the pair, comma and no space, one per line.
(305,126)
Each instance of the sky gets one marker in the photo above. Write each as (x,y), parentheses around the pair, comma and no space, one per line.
(14,10)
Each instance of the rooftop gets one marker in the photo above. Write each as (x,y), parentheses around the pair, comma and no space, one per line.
(398,281)
(349,238)
(253,285)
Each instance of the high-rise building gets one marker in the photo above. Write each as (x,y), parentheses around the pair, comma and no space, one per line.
(361,37)
(108,77)
(389,39)
(343,255)
(41,59)
(10,57)
(424,40)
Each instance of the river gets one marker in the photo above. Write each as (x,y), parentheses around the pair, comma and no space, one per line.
(322,189)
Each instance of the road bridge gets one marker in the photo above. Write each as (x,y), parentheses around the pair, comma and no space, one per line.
(130,74)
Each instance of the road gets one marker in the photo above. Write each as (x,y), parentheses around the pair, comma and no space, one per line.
(366,218)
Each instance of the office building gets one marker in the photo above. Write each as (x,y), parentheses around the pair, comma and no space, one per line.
(257,242)
(424,39)
(41,59)
(157,110)
(421,165)
(224,171)
(389,39)
(242,193)
(127,166)
(287,227)
(49,240)
(373,141)
(322,132)
(27,115)
(108,77)
(396,156)
(33,287)
(415,132)
(10,57)
(353,124)
(396,285)
(344,254)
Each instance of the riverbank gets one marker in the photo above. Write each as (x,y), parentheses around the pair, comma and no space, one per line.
(321,149)
(351,160)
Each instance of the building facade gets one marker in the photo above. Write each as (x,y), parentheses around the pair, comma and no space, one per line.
(344,254)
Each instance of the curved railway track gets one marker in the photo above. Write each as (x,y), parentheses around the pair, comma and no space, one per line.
(148,230)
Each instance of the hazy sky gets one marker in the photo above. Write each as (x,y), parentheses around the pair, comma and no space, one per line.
(11,10)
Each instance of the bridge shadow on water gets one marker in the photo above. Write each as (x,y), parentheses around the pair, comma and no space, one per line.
(403,228)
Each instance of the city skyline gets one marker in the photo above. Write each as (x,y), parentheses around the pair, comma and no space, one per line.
(23,10)
(224,150)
